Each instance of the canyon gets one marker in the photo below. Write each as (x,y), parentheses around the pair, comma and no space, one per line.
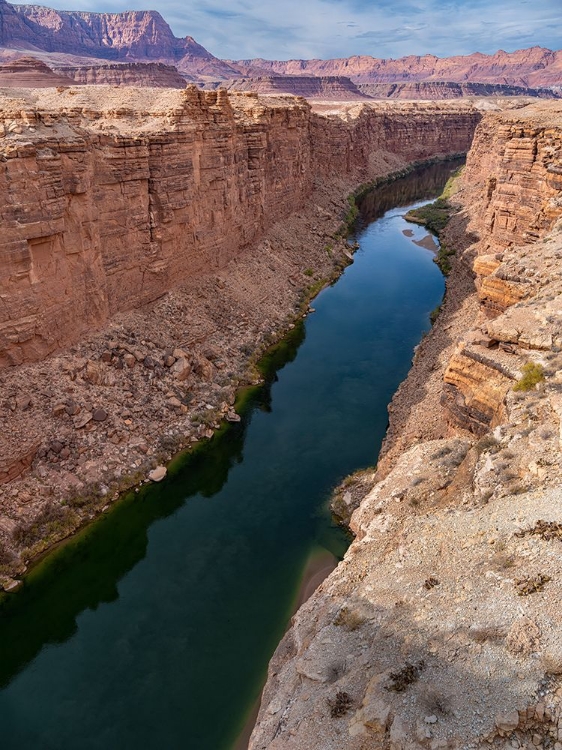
(125,331)
(156,241)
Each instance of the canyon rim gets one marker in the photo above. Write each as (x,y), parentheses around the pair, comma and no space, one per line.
(157,236)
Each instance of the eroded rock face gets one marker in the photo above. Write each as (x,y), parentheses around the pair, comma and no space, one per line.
(448,90)
(334,88)
(132,35)
(125,74)
(513,180)
(27,72)
(111,206)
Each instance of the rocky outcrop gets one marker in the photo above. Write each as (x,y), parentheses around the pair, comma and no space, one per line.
(449,90)
(535,67)
(27,72)
(155,75)
(439,628)
(334,88)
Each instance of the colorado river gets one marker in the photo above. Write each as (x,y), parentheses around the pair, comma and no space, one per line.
(154,628)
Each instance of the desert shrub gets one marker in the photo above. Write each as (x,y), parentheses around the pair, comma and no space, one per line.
(340,705)
(403,678)
(533,373)
(486,443)
(349,619)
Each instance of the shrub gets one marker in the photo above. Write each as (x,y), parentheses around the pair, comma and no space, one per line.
(533,373)
(340,705)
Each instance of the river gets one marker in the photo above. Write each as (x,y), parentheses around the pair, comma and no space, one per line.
(153,627)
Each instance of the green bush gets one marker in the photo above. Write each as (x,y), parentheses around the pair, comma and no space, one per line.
(434,216)
(533,373)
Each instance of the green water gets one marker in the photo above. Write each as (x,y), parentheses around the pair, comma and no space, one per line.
(154,627)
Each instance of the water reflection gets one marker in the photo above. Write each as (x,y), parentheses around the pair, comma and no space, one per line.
(423,184)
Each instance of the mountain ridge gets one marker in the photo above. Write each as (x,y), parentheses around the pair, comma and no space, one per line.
(69,38)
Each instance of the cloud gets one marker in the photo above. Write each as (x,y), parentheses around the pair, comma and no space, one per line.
(285,29)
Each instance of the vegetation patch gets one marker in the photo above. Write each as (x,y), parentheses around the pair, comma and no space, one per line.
(340,705)
(434,314)
(533,373)
(431,583)
(526,586)
(547,530)
(349,619)
(403,678)
(443,259)
(434,216)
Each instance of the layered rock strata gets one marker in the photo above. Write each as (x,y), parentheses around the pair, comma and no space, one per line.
(334,88)
(154,75)
(27,72)
(160,235)
(132,36)
(441,627)
(535,66)
(449,90)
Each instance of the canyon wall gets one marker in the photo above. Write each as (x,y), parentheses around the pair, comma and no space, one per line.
(440,628)
(102,219)
(154,241)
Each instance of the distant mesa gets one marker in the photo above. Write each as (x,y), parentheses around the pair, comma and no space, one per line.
(336,88)
(156,75)
(120,48)
(448,90)
(534,67)
(26,72)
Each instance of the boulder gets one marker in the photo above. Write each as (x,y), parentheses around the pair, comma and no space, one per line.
(158,474)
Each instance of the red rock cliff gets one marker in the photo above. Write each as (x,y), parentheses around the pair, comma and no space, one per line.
(110,205)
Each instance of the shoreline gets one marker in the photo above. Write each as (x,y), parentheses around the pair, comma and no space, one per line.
(319,565)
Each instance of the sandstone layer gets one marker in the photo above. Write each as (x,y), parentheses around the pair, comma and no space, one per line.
(448,90)
(27,72)
(334,88)
(154,241)
(441,627)
(155,75)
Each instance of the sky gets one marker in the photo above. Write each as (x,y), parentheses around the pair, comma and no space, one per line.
(285,29)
